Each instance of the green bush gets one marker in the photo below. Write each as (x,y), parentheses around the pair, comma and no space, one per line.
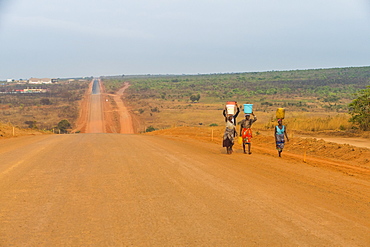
(64,125)
(360,109)
(150,129)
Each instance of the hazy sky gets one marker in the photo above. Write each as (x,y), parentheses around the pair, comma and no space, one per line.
(72,38)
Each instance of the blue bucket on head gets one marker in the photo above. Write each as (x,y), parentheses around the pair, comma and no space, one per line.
(248,108)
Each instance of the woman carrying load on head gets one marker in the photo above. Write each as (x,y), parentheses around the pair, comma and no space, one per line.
(246,131)
(224,112)
(229,135)
(280,133)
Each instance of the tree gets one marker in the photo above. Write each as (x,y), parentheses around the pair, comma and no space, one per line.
(31,124)
(45,101)
(360,109)
(194,97)
(150,129)
(64,125)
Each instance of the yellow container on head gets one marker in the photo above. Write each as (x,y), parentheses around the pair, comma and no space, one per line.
(280,113)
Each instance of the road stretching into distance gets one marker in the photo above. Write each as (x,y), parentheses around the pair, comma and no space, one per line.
(101,189)
(95,117)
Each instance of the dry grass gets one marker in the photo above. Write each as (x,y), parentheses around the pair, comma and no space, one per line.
(163,114)
(314,122)
(8,130)
(46,117)
(175,114)
(18,109)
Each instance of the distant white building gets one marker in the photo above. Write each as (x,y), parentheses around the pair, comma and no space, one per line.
(40,81)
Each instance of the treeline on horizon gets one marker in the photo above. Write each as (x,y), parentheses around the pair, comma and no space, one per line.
(332,87)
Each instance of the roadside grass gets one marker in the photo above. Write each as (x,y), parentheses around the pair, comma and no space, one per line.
(313,122)
(8,130)
(168,114)
(45,117)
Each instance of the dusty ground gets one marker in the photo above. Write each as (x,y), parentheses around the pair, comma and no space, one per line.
(177,187)
(346,158)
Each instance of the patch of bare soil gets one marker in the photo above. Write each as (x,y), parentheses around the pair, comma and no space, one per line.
(355,138)
(342,134)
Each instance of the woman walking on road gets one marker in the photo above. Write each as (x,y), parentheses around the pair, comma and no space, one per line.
(224,112)
(280,132)
(246,131)
(229,135)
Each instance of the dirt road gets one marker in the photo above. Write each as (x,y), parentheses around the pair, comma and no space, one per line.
(125,120)
(97,114)
(136,190)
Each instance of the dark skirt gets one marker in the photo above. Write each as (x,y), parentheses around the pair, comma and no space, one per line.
(227,143)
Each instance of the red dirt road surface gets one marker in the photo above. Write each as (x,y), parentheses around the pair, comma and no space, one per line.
(109,189)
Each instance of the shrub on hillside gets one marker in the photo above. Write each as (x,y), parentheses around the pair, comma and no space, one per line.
(64,125)
(360,109)
(150,129)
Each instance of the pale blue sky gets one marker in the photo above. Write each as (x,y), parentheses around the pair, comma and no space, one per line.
(73,38)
